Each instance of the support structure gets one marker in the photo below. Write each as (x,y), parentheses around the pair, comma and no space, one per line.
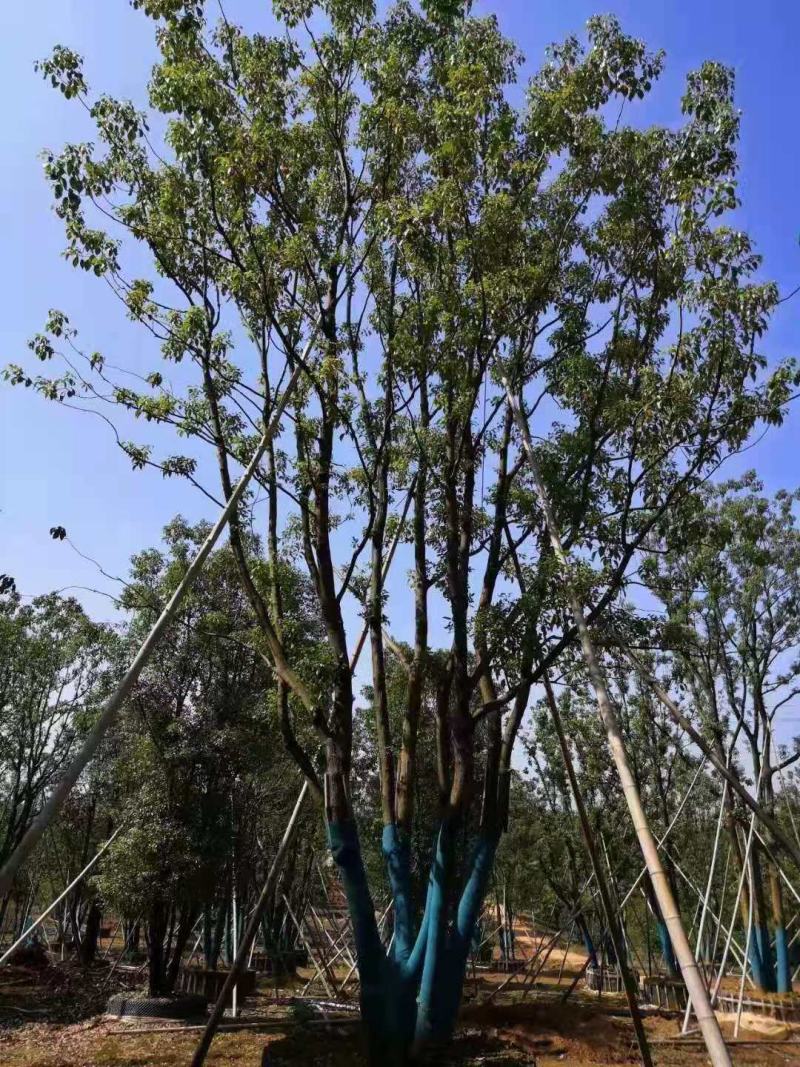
(240,960)
(735,785)
(249,935)
(695,984)
(709,884)
(745,867)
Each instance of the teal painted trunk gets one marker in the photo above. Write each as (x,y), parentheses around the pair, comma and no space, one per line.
(756,963)
(591,951)
(396,852)
(410,997)
(667,950)
(783,969)
(446,956)
(761,933)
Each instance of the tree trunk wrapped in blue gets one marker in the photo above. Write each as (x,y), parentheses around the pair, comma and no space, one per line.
(783,969)
(410,997)
(397,853)
(756,962)
(762,938)
(667,951)
(591,951)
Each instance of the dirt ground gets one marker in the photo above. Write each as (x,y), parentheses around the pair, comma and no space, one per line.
(52,1017)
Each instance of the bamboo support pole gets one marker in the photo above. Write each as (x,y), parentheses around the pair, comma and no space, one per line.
(677,716)
(745,862)
(738,950)
(252,927)
(27,933)
(748,868)
(566,953)
(707,897)
(586,885)
(250,931)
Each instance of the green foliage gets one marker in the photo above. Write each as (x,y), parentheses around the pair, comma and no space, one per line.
(196,748)
(56,666)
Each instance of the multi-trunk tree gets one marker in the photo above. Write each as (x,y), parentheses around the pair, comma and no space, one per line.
(366,186)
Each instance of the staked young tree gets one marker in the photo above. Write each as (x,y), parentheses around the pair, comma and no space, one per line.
(370,179)
(733,611)
(664,768)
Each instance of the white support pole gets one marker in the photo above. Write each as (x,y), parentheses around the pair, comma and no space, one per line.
(251,929)
(595,893)
(745,863)
(712,868)
(234,940)
(26,934)
(707,1020)
(748,867)
(721,903)
(677,716)
(666,833)
(698,893)
(112,706)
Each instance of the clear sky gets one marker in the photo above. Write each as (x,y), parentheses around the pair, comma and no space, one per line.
(60,467)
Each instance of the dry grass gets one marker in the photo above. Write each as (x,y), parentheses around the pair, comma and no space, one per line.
(587,1032)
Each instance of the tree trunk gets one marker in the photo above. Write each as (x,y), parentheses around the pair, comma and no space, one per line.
(156,932)
(185,926)
(132,932)
(760,926)
(783,970)
(583,927)
(664,940)
(410,998)
(88,947)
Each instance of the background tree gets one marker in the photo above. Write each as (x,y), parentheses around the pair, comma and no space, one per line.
(55,667)
(196,771)
(733,624)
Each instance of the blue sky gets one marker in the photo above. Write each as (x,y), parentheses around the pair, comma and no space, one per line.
(59,467)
